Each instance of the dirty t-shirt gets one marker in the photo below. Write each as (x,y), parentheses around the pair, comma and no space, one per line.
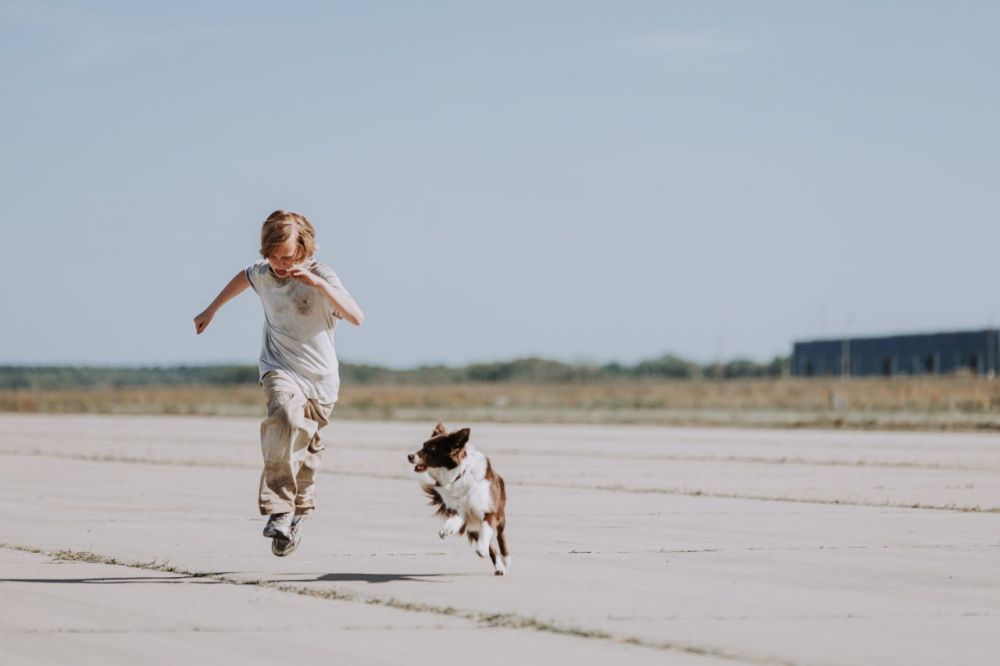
(298,329)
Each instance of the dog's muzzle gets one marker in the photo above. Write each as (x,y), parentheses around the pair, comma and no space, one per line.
(417,466)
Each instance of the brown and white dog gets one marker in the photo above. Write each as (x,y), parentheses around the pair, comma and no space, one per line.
(468,494)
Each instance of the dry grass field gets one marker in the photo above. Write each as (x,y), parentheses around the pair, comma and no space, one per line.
(954,402)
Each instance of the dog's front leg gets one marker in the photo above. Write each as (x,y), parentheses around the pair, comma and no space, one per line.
(452,526)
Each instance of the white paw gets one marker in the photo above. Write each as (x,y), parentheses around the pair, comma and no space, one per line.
(501,569)
(483,551)
(451,527)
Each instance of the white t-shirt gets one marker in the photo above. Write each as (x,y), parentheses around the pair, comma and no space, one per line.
(298,329)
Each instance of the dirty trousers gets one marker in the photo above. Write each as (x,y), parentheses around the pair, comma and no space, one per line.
(290,442)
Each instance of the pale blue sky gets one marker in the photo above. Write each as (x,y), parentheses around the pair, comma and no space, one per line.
(578,180)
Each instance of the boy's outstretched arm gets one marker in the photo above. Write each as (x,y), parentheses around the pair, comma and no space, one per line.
(235,287)
(342,301)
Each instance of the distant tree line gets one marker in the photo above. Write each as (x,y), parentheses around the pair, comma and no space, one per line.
(524,370)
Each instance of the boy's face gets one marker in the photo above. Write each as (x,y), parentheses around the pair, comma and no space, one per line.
(285,257)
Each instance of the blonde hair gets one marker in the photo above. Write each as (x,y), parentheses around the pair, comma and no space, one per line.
(280,226)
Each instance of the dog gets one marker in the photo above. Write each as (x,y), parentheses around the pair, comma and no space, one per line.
(468,494)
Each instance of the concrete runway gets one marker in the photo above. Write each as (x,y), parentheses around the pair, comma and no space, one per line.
(136,540)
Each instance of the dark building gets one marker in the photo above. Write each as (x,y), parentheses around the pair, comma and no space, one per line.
(975,352)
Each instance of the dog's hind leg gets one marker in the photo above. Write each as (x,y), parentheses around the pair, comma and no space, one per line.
(502,543)
(483,542)
(491,523)
(500,569)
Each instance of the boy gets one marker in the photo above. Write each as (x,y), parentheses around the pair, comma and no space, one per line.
(303,299)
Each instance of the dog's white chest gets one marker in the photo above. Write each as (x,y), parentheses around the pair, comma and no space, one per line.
(467,491)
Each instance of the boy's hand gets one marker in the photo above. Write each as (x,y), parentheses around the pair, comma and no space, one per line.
(302,275)
(202,321)
(235,287)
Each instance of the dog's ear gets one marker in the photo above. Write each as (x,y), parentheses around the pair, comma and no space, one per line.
(460,438)
(438,430)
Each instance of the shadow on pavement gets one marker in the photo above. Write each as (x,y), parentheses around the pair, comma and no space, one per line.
(108,580)
(367,578)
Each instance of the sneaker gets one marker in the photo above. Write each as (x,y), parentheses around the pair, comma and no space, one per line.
(281,546)
(279,525)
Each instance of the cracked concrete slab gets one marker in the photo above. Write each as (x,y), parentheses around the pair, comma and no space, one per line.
(597,574)
(54,611)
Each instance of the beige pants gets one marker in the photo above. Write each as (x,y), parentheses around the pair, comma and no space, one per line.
(289,440)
